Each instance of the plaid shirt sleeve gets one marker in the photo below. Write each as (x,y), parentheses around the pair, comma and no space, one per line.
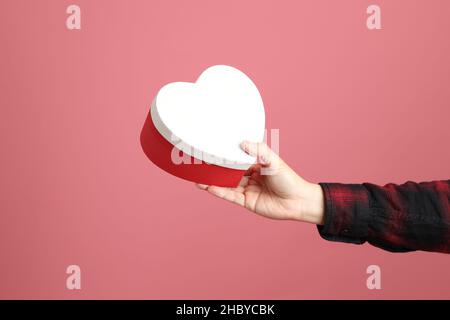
(396,218)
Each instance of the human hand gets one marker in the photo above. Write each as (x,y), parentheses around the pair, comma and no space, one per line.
(272,189)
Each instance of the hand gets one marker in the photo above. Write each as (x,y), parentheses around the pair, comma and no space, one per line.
(272,189)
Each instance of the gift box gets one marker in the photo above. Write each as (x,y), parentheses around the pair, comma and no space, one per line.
(194,130)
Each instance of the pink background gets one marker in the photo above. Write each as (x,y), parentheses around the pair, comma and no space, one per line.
(352,105)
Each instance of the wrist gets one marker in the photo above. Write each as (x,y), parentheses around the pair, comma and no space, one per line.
(312,204)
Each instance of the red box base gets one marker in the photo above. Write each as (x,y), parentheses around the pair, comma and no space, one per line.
(159,151)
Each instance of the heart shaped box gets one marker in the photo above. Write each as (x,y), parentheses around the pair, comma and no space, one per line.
(194,130)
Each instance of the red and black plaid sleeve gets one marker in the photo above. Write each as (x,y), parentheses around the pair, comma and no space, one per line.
(397,218)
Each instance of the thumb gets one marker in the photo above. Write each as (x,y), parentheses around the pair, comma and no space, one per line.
(264,155)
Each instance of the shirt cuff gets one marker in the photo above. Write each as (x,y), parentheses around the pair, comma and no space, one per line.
(347,213)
